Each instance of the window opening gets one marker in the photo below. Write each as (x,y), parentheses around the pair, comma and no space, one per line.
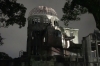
(56,23)
(36,20)
(71,33)
(44,39)
(57,33)
(46,20)
(39,20)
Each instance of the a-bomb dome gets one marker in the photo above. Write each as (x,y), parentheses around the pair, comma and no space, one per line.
(43,10)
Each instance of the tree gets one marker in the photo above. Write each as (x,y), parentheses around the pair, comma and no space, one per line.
(4,56)
(1,42)
(12,13)
(72,10)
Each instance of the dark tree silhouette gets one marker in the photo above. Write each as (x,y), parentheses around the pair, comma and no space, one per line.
(11,13)
(4,56)
(1,40)
(72,10)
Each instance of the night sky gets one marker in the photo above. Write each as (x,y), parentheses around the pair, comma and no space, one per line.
(16,38)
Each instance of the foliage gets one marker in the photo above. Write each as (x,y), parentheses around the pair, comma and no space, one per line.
(4,56)
(1,42)
(73,8)
(72,12)
(12,13)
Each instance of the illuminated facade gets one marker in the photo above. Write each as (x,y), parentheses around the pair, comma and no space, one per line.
(43,22)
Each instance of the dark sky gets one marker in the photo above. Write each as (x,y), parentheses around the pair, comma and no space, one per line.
(16,38)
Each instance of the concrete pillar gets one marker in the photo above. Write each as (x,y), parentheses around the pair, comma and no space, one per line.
(88,51)
(83,46)
(84,49)
(29,36)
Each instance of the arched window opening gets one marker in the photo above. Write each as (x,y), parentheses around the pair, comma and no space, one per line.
(57,33)
(36,20)
(33,21)
(56,23)
(46,20)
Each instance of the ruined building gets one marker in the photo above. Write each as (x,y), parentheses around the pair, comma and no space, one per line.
(47,42)
(45,37)
(91,48)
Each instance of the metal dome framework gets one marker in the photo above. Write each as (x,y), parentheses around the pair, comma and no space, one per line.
(43,10)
